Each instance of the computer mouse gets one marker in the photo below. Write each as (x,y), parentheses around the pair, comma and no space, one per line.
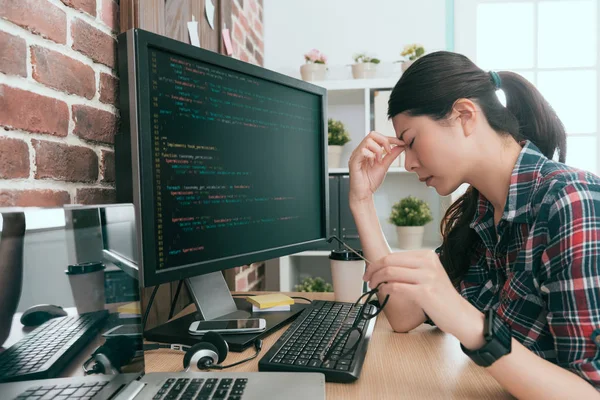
(38,314)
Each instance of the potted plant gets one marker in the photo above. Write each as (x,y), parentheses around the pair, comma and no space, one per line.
(411,52)
(337,137)
(314,285)
(315,67)
(410,216)
(364,66)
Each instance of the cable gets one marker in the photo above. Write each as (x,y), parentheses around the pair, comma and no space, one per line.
(257,346)
(174,301)
(147,312)
(303,298)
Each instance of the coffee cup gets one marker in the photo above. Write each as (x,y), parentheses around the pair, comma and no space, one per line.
(87,286)
(347,270)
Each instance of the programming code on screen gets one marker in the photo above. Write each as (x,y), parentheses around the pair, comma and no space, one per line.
(236,162)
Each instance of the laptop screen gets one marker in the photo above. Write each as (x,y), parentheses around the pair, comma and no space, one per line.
(65,310)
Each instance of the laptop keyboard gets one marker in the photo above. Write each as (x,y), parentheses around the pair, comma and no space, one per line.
(202,389)
(81,391)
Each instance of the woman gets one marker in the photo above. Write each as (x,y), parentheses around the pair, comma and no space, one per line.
(523,241)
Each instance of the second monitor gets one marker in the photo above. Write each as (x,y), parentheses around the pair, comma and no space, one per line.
(226,165)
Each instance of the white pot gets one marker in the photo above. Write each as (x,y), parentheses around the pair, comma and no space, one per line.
(313,72)
(410,237)
(364,70)
(334,155)
(406,64)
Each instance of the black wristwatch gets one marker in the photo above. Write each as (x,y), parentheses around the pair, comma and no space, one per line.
(497,335)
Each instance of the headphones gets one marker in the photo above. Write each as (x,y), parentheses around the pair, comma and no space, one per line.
(207,354)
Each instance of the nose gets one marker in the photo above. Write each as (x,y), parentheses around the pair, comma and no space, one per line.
(410,161)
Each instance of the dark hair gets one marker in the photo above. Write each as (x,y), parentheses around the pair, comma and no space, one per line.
(431,86)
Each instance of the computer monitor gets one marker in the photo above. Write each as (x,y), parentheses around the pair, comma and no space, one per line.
(224,161)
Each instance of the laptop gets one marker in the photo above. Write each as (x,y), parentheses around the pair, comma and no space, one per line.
(74,304)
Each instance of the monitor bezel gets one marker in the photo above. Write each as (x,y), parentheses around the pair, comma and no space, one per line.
(138,41)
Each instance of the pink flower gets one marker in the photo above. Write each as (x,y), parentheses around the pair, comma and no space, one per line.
(314,56)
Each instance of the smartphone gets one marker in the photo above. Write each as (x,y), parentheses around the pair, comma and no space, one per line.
(228,326)
(131,330)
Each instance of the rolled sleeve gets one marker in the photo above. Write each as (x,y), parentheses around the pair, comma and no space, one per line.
(571,279)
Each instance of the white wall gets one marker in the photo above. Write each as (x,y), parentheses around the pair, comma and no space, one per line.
(341,28)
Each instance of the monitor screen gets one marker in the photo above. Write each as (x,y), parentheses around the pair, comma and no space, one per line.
(231,159)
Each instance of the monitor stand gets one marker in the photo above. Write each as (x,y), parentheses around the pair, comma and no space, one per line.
(213,300)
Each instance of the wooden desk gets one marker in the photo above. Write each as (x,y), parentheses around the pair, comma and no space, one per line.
(423,364)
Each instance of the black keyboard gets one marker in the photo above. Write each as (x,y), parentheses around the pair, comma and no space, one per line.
(202,389)
(46,350)
(80,391)
(299,349)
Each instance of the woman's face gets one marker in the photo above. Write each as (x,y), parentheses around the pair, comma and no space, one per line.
(434,150)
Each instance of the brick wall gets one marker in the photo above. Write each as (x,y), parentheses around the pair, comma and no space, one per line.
(248,45)
(58,101)
(58,94)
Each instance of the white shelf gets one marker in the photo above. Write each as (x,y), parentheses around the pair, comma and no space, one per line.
(320,253)
(394,170)
(350,84)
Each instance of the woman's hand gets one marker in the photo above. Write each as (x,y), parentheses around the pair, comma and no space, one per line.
(420,276)
(369,163)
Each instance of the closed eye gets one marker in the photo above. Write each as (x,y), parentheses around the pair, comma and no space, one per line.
(411,143)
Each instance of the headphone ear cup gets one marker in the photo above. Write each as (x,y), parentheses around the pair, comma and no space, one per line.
(221,345)
(194,349)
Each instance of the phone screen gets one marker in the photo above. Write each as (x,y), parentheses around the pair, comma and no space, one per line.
(228,324)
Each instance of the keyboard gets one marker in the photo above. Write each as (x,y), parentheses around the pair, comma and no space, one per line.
(46,350)
(202,389)
(300,347)
(79,391)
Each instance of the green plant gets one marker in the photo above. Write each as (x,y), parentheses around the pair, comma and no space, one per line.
(410,211)
(336,133)
(413,51)
(314,285)
(363,58)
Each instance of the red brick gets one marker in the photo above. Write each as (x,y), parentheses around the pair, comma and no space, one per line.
(13,57)
(244,22)
(110,14)
(260,15)
(94,124)
(258,27)
(241,282)
(108,166)
(249,46)
(88,6)
(94,43)
(96,196)
(63,162)
(259,58)
(63,73)
(252,5)
(238,33)
(14,159)
(38,16)
(34,198)
(235,10)
(255,38)
(109,89)
(20,109)
(244,56)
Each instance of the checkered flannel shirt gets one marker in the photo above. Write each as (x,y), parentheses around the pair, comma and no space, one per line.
(539,269)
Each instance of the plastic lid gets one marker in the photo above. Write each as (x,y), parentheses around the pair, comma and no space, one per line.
(345,255)
(84,268)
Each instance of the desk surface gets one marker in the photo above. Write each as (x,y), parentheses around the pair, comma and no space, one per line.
(424,363)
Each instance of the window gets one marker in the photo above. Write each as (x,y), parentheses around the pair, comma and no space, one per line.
(552,43)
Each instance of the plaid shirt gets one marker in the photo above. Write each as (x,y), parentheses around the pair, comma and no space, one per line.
(539,269)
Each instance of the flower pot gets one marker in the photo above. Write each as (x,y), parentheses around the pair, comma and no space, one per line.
(364,70)
(406,64)
(410,237)
(334,155)
(313,72)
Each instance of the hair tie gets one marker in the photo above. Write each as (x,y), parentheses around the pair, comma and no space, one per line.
(496,79)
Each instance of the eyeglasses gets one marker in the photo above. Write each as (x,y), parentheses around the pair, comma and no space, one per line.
(348,334)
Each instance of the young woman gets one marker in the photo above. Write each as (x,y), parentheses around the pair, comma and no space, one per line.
(517,277)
